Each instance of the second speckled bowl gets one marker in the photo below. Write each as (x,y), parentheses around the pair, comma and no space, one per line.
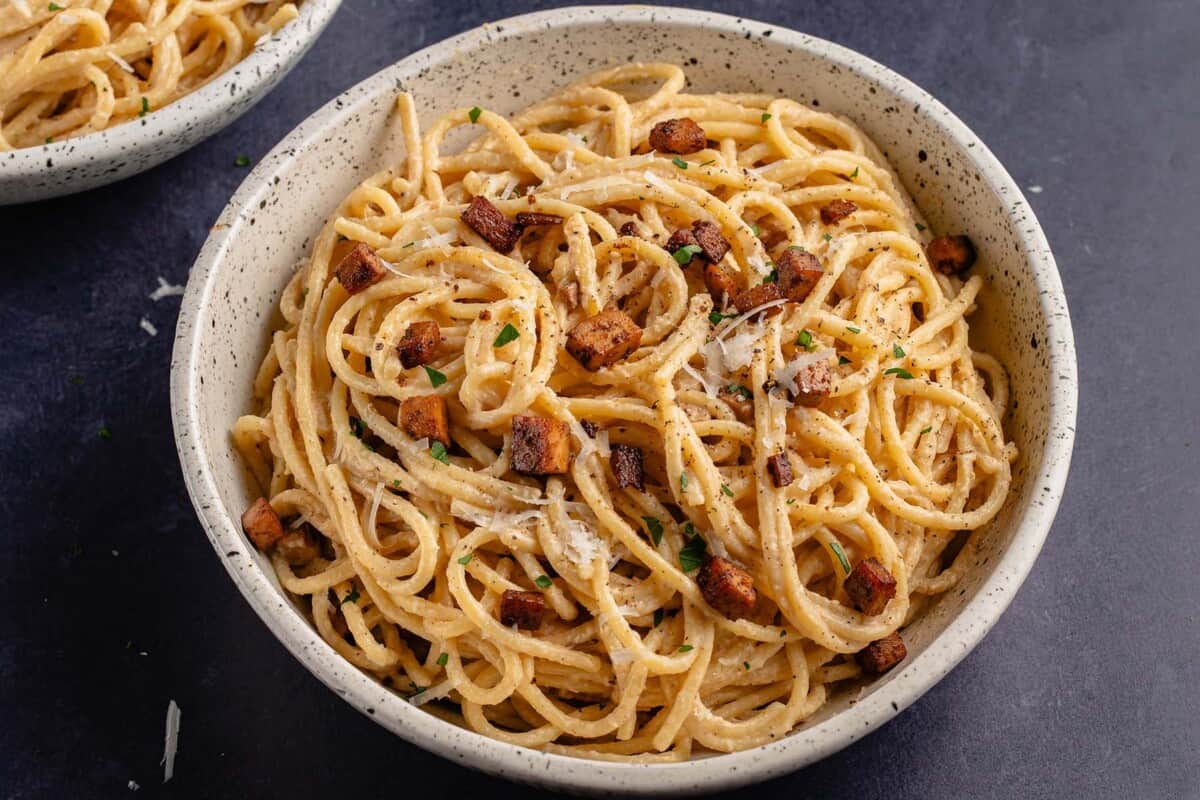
(957,182)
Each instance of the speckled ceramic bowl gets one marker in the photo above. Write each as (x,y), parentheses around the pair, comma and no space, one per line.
(235,285)
(85,162)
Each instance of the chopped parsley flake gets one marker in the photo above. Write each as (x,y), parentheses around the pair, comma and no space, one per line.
(754,228)
(466,559)
(350,598)
(715,317)
(746,664)
(686,648)
(410,244)
(772,276)
(842,361)
(828,237)
(679,162)
(145,107)
(899,372)
(855,173)
(241,161)
(898,351)
(658,617)
(357,428)
(396,484)
(436,378)
(735,388)
(55,7)
(683,480)
(49,139)
(710,161)
(443,659)
(691,555)
(507,334)
(543,581)
(765,117)
(438,451)
(726,490)
(689,529)
(841,556)
(684,254)
(926,429)
(853,329)
(805,340)
(105,433)
(654,525)
(920,227)
(474,113)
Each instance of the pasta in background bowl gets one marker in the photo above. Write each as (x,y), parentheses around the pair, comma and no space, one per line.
(91,93)
(275,218)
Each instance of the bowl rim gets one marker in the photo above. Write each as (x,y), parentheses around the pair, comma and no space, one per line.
(241,82)
(903,687)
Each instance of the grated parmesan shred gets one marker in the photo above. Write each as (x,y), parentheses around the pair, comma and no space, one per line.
(120,62)
(148,326)
(165,290)
(171,743)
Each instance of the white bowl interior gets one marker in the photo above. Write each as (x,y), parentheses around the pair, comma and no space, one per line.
(952,177)
(97,159)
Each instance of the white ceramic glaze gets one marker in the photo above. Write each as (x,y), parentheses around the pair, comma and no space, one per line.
(97,159)
(234,288)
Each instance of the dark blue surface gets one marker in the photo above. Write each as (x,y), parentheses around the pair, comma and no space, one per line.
(113,601)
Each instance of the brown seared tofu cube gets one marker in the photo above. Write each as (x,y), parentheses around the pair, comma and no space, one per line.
(711,242)
(359,269)
(951,255)
(604,339)
(532,219)
(837,211)
(880,656)
(419,344)
(870,586)
(682,136)
(540,446)
(813,384)
(490,223)
(589,427)
(523,609)
(756,296)
(261,524)
(720,283)
(425,416)
(739,399)
(629,229)
(727,587)
(627,466)
(680,239)
(298,547)
(781,469)
(799,271)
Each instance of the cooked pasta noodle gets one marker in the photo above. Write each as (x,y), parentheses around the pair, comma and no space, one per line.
(631,660)
(73,67)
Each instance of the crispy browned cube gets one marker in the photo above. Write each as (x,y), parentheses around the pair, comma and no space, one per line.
(837,210)
(261,524)
(739,399)
(880,656)
(298,547)
(359,269)
(870,586)
(720,283)
(629,229)
(490,223)
(727,587)
(679,239)
(682,136)
(951,255)
(799,272)
(781,469)
(627,466)
(419,344)
(589,427)
(711,242)
(604,339)
(532,219)
(756,296)
(523,609)
(425,416)
(813,384)
(540,446)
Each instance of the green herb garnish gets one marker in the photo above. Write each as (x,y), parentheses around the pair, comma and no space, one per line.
(841,556)
(805,340)
(772,277)
(105,433)
(357,428)
(735,388)
(920,227)
(691,555)
(466,559)
(686,648)
(658,617)
(828,237)
(726,490)
(754,228)
(746,664)
(898,351)
(350,598)
(438,451)
(715,317)
(842,361)
(543,581)
(443,659)
(683,480)
(855,173)
(853,329)
(474,113)
(145,107)
(241,161)
(55,7)
(710,161)
(507,334)
(654,525)
(679,162)
(926,429)
(765,117)
(684,254)
(899,372)
(436,378)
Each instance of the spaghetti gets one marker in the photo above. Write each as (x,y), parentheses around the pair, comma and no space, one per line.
(413,547)
(73,67)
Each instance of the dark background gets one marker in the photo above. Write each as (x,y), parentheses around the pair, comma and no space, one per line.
(113,601)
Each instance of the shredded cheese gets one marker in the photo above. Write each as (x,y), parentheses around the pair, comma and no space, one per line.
(148,326)
(122,63)
(171,744)
(165,290)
